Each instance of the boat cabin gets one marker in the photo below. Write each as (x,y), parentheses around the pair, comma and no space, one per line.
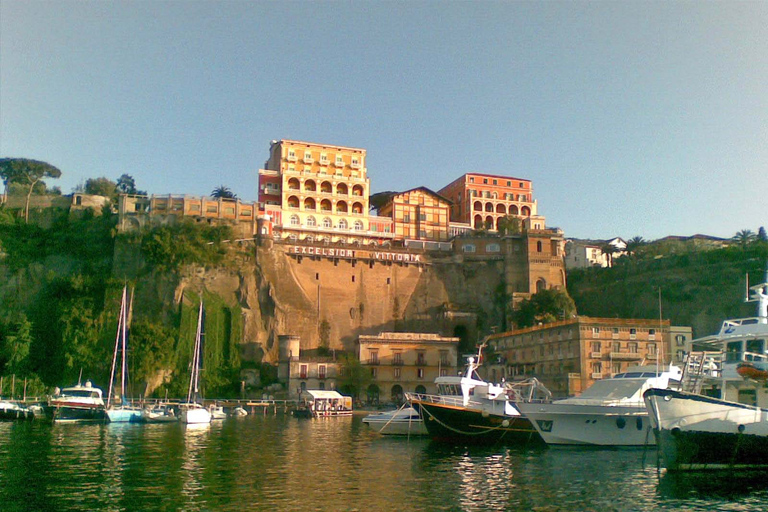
(321,402)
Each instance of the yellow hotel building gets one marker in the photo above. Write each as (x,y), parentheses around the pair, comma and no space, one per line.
(318,192)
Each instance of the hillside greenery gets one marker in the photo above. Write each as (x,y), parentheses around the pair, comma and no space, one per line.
(59,302)
(698,287)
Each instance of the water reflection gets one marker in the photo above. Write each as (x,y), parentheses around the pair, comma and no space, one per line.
(281,463)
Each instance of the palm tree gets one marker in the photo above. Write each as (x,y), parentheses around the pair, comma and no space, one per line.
(608,250)
(744,237)
(223,192)
(635,243)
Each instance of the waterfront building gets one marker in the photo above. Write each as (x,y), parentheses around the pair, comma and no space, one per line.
(680,338)
(406,361)
(570,355)
(318,192)
(302,370)
(481,200)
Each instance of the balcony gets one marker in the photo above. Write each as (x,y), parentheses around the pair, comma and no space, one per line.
(291,158)
(397,362)
(308,159)
(355,165)
(373,362)
(596,355)
(597,375)
(626,356)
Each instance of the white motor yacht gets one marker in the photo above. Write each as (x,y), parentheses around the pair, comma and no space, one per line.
(611,412)
(404,421)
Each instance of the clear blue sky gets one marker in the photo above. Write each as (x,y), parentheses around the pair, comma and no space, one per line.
(630,118)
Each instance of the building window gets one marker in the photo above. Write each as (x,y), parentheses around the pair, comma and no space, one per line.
(492,248)
(303,371)
(616,368)
(652,349)
(633,334)
(406,217)
(596,347)
(651,334)
(680,340)
(358,225)
(311,222)
(595,332)
(616,347)
(294,220)
(397,358)
(419,373)
(321,371)
(396,373)
(633,348)
(443,372)
(468,248)
(374,372)
(327,223)
(421,359)
(444,358)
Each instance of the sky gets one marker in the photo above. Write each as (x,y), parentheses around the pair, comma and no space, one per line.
(631,118)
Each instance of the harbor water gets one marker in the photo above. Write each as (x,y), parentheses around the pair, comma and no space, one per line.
(277,462)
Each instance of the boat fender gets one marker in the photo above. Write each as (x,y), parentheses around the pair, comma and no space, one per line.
(505,423)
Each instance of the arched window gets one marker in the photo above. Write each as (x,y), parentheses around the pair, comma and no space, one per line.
(501,209)
(489,207)
(541,284)
(294,220)
(311,222)
(357,190)
(327,223)
(357,208)
(309,203)
(478,222)
(325,187)
(358,225)
(489,222)
(477,206)
(341,207)
(341,189)
(310,186)
(293,202)
(513,210)
(325,205)
(343,224)
(293,184)
(526,211)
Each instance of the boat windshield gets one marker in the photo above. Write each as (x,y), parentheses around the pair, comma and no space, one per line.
(613,389)
(82,393)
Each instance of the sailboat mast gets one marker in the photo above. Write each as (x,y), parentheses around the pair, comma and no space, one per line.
(124,334)
(117,344)
(195,358)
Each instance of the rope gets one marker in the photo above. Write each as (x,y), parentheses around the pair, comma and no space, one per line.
(457,431)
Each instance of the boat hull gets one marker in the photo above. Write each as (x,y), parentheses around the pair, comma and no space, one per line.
(590,425)
(696,432)
(78,414)
(124,415)
(195,415)
(13,412)
(454,423)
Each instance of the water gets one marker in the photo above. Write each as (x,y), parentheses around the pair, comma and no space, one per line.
(277,462)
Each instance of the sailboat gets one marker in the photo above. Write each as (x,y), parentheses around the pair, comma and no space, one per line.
(191,410)
(122,412)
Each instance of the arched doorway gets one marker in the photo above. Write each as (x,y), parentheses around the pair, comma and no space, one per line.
(372,394)
(421,390)
(397,394)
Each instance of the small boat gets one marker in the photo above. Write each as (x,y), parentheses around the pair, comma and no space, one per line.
(80,403)
(611,412)
(404,421)
(239,412)
(320,403)
(721,422)
(124,412)
(468,409)
(217,412)
(13,411)
(160,413)
(193,412)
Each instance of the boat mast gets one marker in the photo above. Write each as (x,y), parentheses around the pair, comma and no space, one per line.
(117,344)
(193,384)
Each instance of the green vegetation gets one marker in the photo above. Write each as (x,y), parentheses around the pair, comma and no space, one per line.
(28,173)
(544,307)
(59,303)
(699,286)
(354,377)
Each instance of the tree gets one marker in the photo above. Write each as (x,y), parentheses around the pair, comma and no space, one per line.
(222,192)
(510,225)
(545,306)
(744,237)
(15,347)
(355,378)
(608,250)
(27,172)
(100,187)
(634,244)
(127,185)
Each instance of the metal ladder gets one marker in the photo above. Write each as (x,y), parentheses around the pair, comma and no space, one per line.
(698,367)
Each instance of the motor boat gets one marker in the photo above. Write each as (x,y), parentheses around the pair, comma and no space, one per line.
(720,420)
(80,403)
(160,413)
(611,412)
(13,411)
(469,409)
(404,421)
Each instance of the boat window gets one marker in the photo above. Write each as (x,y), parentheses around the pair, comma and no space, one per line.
(733,352)
(756,346)
(613,389)
(633,375)
(621,422)
(639,423)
